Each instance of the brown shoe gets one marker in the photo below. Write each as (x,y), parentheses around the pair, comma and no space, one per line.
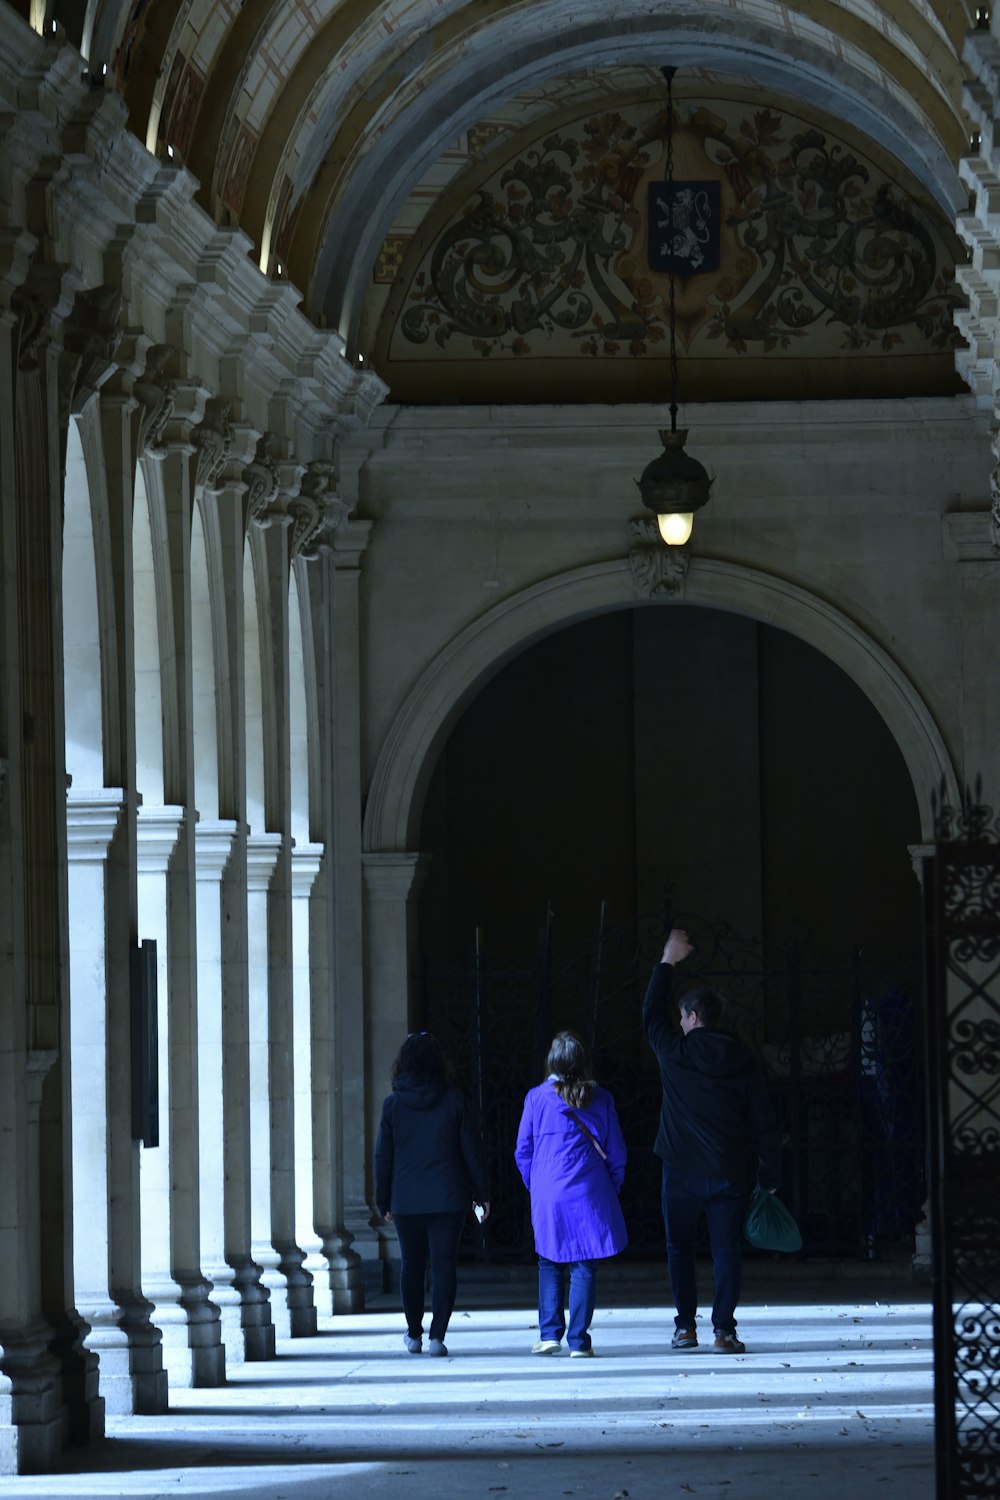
(684,1338)
(728,1343)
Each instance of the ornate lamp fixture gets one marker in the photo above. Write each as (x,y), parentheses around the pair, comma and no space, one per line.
(673,485)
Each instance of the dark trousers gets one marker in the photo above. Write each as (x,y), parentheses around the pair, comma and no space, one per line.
(686,1195)
(432,1237)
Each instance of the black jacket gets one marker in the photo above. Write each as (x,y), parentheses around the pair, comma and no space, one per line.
(429,1156)
(715,1110)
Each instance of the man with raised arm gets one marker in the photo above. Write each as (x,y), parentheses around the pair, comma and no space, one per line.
(714,1118)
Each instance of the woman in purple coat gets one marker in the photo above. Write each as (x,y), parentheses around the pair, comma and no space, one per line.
(571,1154)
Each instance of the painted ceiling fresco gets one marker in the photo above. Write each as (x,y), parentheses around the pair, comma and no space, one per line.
(802,267)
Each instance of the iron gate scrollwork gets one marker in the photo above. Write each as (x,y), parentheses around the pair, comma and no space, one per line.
(838,1043)
(962,926)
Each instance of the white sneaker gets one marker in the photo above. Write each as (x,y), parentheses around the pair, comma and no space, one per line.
(546,1346)
(582,1353)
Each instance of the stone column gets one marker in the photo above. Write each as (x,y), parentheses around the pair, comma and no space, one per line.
(289,1285)
(243,1305)
(391,883)
(331,582)
(31,1411)
(109,426)
(273,496)
(311,1044)
(172,409)
(36,419)
(224,448)
(128,1347)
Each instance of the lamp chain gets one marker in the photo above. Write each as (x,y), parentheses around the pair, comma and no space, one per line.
(668,74)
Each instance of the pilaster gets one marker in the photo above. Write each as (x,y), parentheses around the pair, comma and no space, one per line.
(350,1071)
(192,1354)
(121,1334)
(246,1328)
(289,1285)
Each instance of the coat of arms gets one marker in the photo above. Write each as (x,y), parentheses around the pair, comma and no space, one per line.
(684,227)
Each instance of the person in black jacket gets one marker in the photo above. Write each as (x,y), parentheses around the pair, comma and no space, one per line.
(714,1114)
(430,1167)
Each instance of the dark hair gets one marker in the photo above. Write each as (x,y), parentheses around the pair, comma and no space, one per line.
(569,1062)
(707,1004)
(421,1058)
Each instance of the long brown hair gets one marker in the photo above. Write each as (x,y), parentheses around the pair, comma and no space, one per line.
(569,1066)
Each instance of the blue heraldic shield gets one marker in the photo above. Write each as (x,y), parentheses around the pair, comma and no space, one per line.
(684,227)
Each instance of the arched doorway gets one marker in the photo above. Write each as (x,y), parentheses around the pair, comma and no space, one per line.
(644,766)
(850,680)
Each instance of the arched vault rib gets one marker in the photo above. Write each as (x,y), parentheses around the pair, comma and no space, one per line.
(341,246)
(409,751)
(380,70)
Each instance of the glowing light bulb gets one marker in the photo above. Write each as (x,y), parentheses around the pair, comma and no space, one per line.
(676,527)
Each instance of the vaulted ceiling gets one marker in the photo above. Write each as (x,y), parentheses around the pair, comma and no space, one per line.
(322,129)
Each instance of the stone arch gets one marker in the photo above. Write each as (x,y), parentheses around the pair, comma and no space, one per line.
(436,700)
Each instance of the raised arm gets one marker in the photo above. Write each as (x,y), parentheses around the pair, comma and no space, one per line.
(656,1012)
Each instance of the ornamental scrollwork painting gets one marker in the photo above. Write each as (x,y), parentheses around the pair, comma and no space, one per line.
(820,251)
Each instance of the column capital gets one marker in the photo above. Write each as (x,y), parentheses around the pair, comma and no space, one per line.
(918,853)
(157,832)
(92,819)
(213,844)
(174,408)
(263,853)
(307,860)
(395,876)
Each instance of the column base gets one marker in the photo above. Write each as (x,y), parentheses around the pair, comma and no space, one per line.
(189,1322)
(290,1288)
(247,1330)
(345,1272)
(129,1350)
(82,1398)
(33,1417)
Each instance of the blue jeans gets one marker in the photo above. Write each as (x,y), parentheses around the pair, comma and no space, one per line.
(432,1237)
(552,1300)
(685,1196)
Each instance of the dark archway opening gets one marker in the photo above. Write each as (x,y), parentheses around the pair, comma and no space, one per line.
(681,763)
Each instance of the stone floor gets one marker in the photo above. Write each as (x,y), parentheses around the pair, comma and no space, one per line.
(832,1399)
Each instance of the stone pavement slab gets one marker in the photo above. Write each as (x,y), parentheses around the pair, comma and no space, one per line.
(830,1400)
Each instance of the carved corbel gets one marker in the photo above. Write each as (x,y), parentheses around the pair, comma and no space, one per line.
(262,481)
(213,439)
(38,306)
(155,391)
(319,512)
(657,570)
(90,346)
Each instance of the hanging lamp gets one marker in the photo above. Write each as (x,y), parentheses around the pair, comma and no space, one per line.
(674,485)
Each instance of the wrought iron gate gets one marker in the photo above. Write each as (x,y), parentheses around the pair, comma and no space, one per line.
(838,1044)
(962,902)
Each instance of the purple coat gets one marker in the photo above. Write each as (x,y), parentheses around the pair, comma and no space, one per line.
(575,1211)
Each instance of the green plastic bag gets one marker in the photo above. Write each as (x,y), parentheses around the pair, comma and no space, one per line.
(770,1225)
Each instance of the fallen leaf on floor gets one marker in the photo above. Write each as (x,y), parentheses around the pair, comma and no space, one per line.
(560,1444)
(860,1414)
